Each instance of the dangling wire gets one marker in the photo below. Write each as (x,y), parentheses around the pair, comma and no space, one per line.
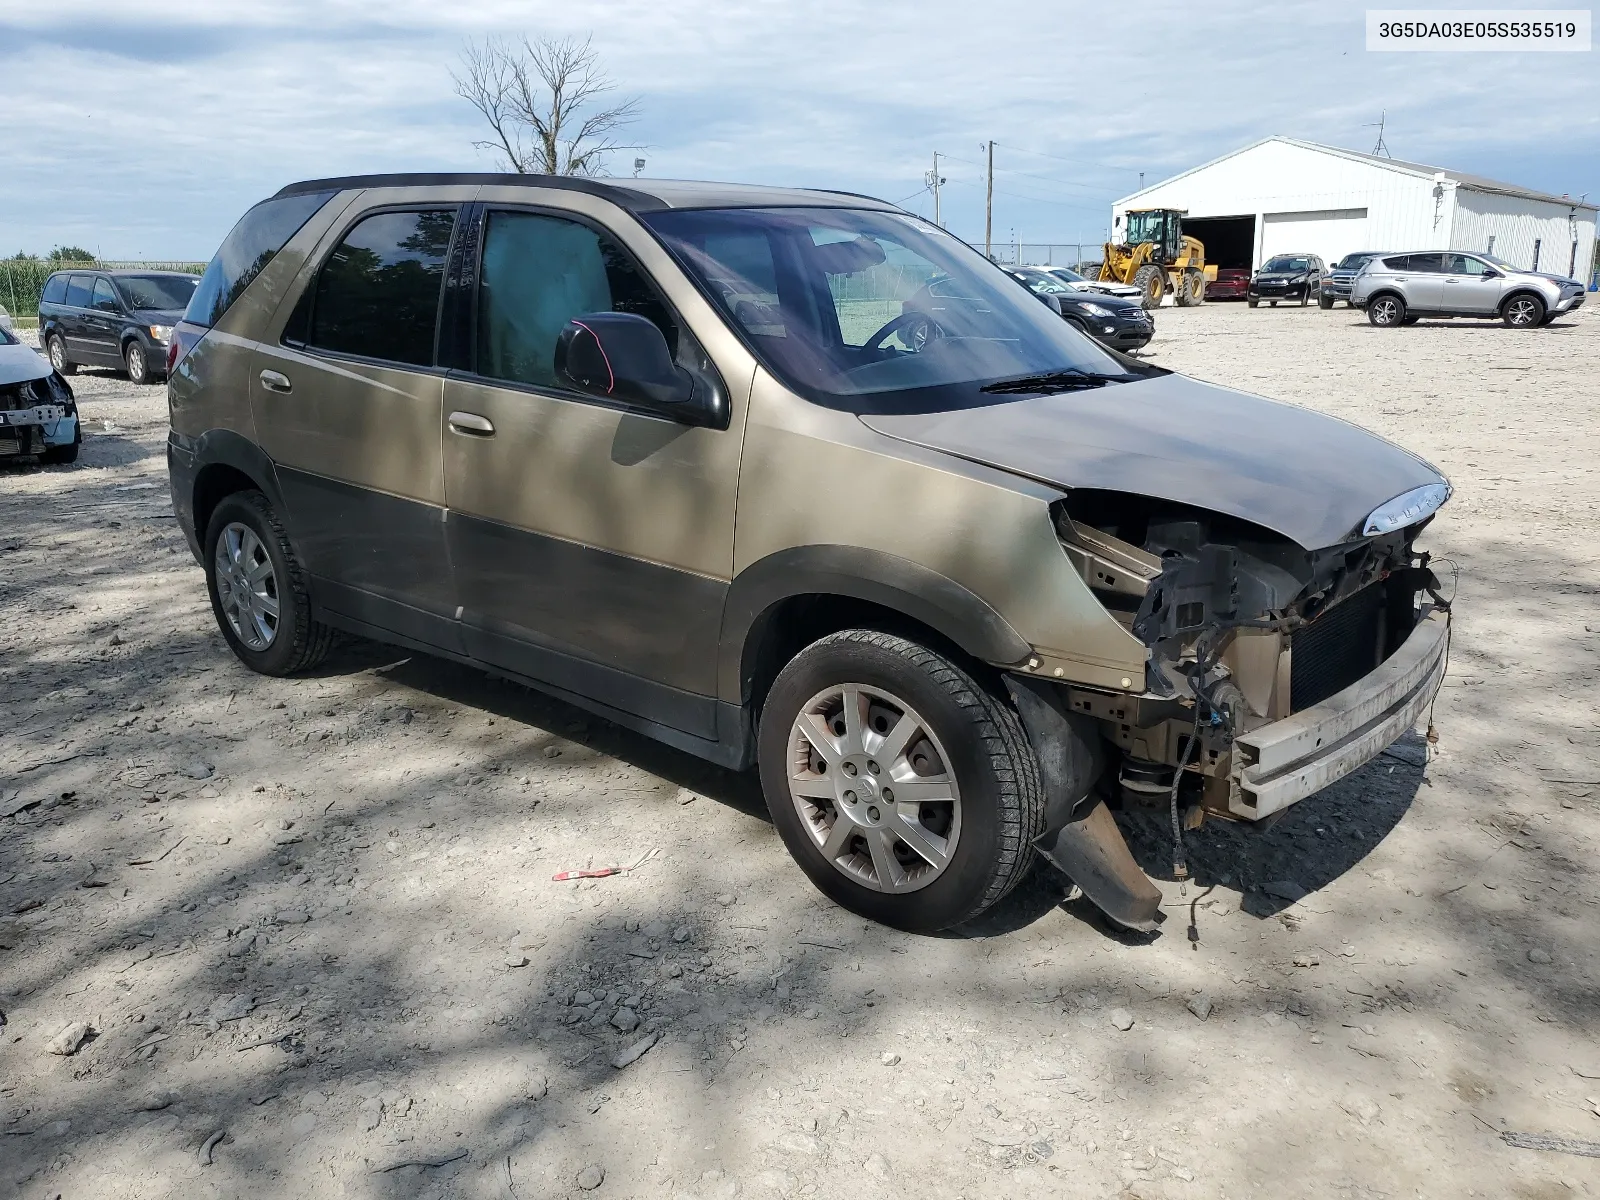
(1180,860)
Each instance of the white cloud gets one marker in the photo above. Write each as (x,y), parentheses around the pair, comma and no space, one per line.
(148,137)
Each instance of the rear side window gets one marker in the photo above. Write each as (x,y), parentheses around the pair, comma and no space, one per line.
(538,273)
(78,290)
(251,245)
(55,289)
(377,296)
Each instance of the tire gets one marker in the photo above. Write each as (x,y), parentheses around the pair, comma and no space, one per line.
(1410,320)
(1191,289)
(62,455)
(1324,301)
(288,642)
(996,804)
(1253,303)
(1386,311)
(136,362)
(1151,281)
(1523,311)
(57,350)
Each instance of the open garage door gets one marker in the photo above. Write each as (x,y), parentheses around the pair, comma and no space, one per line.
(1329,233)
(1229,241)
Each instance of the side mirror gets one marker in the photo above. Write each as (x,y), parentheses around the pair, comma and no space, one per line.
(1051,301)
(623,357)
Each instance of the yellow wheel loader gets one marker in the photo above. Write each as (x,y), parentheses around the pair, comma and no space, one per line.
(1156,258)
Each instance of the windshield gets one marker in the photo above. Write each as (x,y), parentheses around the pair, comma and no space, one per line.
(1285,264)
(1147,227)
(6,338)
(1351,261)
(1042,281)
(1066,273)
(842,304)
(158,291)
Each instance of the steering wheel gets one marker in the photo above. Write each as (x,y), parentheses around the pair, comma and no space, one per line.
(916,330)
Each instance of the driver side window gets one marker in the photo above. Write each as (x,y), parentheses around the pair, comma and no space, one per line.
(1460,264)
(538,273)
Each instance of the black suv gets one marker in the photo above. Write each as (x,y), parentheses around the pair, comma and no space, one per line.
(1296,277)
(112,319)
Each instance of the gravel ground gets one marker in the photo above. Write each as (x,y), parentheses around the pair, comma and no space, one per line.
(307,934)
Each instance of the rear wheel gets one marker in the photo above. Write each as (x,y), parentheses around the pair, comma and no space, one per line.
(1324,301)
(258,588)
(58,356)
(1151,281)
(1191,290)
(903,787)
(1386,311)
(1523,312)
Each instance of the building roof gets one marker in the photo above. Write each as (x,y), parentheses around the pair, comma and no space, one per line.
(637,195)
(1476,183)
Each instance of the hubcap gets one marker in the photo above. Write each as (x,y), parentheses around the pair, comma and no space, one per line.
(873,789)
(247,586)
(135,364)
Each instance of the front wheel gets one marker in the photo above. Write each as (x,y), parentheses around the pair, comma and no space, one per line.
(1253,303)
(1324,301)
(902,786)
(1523,312)
(58,356)
(1151,281)
(137,362)
(258,588)
(1386,312)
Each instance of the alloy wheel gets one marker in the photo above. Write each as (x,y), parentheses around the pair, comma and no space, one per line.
(247,586)
(871,784)
(1521,311)
(1385,311)
(58,356)
(137,367)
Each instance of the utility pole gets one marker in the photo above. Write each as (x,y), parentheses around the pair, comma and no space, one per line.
(934,180)
(988,207)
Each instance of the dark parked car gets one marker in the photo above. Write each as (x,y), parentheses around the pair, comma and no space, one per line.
(1343,275)
(1109,320)
(1231,283)
(1288,277)
(112,319)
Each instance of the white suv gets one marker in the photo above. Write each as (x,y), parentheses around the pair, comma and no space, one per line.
(1400,289)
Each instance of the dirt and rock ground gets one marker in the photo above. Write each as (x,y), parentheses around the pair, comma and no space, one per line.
(301,936)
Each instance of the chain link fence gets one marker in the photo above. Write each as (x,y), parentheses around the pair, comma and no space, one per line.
(22,279)
(1047,254)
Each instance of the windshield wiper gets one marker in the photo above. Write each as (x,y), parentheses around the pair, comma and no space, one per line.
(1054,381)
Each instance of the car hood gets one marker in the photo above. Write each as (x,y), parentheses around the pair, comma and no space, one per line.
(158,316)
(1281,276)
(19,364)
(1312,478)
(1117,304)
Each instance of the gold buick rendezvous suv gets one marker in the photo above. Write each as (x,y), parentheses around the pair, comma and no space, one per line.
(794,479)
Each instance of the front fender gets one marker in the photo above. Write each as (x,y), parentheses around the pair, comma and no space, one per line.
(884,579)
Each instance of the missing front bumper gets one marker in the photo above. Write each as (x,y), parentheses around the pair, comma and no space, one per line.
(1288,760)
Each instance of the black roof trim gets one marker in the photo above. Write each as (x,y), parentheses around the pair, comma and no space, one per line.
(627,197)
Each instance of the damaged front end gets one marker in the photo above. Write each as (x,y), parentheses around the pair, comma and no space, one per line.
(1272,670)
(1244,629)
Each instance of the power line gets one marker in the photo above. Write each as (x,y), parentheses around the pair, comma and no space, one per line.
(1079,161)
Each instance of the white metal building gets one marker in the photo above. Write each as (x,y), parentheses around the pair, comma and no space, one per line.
(1283,195)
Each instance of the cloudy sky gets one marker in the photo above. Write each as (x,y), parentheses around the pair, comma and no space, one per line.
(144,131)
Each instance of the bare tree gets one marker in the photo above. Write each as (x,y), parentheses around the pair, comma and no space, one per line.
(542,99)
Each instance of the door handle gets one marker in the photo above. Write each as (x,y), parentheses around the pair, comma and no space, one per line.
(471,424)
(275,381)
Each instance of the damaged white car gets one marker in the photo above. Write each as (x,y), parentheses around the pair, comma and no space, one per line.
(38,413)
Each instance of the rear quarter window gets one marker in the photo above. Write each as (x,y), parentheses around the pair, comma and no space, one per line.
(55,290)
(246,251)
